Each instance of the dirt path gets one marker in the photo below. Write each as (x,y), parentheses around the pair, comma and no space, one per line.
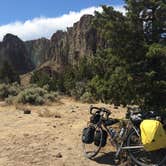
(37,139)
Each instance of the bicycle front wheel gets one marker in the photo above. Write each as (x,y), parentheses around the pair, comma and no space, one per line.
(142,157)
(91,150)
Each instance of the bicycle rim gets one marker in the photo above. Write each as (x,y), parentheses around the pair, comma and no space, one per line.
(91,150)
(141,156)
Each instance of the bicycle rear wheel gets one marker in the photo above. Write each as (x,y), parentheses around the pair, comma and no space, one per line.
(142,157)
(91,150)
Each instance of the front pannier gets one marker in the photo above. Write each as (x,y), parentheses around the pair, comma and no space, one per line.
(153,135)
(97,138)
(88,135)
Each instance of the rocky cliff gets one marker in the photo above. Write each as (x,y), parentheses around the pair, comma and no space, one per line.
(38,50)
(62,49)
(13,51)
(78,41)
(66,47)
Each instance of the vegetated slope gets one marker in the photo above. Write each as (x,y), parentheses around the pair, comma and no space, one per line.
(50,136)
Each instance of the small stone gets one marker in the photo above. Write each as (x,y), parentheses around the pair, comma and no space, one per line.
(54,126)
(57,116)
(69,148)
(59,155)
(115,107)
(26,135)
(27,111)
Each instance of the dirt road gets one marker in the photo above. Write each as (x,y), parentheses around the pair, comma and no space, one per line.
(49,136)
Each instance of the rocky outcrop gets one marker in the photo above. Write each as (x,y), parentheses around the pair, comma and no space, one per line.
(13,51)
(59,48)
(62,49)
(82,39)
(65,47)
(79,40)
(38,50)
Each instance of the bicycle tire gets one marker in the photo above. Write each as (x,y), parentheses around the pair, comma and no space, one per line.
(153,156)
(92,153)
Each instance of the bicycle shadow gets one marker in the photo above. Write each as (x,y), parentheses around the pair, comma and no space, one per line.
(106,158)
(109,159)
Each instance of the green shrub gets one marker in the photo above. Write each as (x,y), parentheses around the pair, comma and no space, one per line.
(35,95)
(87,98)
(7,90)
(79,90)
(10,100)
(50,96)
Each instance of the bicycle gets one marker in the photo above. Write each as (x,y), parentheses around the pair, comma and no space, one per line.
(127,139)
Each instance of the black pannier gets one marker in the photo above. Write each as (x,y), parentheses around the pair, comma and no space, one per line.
(88,135)
(97,138)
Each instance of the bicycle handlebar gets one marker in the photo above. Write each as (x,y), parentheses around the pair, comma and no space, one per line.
(99,110)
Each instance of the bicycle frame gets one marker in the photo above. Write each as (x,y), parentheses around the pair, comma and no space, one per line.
(120,146)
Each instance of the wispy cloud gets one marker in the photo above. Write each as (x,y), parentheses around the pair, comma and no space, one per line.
(45,27)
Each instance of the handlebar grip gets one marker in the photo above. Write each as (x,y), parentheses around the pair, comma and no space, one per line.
(102,109)
(91,108)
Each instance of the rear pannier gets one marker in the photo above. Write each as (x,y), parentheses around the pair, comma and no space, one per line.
(153,135)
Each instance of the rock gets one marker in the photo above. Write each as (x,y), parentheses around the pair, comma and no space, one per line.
(57,116)
(59,155)
(115,107)
(54,126)
(69,148)
(26,135)
(27,111)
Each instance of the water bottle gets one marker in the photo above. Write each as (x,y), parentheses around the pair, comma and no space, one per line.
(112,133)
(121,133)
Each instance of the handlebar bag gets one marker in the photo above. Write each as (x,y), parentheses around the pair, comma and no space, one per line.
(95,118)
(97,138)
(153,135)
(88,135)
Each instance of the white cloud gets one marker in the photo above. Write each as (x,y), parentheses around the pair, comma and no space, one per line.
(120,9)
(45,27)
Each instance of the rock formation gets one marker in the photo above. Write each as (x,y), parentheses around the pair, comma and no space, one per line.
(13,51)
(62,49)
(38,50)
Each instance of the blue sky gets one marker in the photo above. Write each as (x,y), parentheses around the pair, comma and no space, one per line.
(14,13)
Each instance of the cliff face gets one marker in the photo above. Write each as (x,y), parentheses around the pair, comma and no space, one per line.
(81,39)
(38,50)
(65,47)
(13,51)
(62,49)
